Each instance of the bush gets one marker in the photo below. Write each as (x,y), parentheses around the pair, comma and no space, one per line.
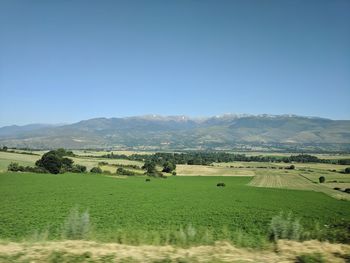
(221,184)
(96,170)
(76,226)
(285,227)
(148,180)
(291,167)
(168,167)
(310,258)
(336,188)
(77,168)
(173,173)
(347,190)
(347,170)
(14,167)
(322,179)
(122,171)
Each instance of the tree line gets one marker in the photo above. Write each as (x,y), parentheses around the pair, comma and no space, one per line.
(207,158)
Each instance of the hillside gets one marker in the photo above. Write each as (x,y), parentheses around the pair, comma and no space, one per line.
(153,132)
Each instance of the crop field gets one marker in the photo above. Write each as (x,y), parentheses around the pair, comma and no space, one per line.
(22,159)
(206,170)
(134,211)
(297,181)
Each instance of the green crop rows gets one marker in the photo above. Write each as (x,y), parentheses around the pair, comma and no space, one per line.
(31,202)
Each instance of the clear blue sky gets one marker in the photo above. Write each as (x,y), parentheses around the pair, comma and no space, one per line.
(63,61)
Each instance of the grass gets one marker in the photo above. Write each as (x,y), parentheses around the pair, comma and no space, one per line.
(159,212)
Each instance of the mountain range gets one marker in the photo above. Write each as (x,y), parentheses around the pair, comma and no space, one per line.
(155,132)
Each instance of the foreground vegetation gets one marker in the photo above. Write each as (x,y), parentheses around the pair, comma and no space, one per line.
(178,210)
(87,251)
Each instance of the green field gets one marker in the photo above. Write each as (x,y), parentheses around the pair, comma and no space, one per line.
(132,210)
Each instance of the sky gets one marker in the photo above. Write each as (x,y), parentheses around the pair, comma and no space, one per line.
(68,60)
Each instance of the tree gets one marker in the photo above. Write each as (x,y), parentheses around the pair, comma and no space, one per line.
(322,179)
(51,162)
(347,170)
(4,148)
(150,167)
(168,167)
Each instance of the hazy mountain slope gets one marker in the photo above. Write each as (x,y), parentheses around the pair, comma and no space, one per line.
(180,132)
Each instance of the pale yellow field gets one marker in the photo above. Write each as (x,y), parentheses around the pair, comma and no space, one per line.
(22,159)
(319,155)
(101,153)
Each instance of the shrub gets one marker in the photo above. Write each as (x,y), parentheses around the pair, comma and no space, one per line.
(347,170)
(13,167)
(148,180)
(347,190)
(310,258)
(221,184)
(291,167)
(96,170)
(285,227)
(168,167)
(322,179)
(77,168)
(336,188)
(173,173)
(76,226)
(122,171)
(34,169)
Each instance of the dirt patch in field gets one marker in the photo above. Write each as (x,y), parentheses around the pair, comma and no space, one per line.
(87,251)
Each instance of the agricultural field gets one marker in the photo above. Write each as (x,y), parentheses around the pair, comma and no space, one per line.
(23,159)
(184,212)
(207,170)
(130,210)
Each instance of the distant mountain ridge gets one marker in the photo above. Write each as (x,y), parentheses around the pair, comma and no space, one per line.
(156,132)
